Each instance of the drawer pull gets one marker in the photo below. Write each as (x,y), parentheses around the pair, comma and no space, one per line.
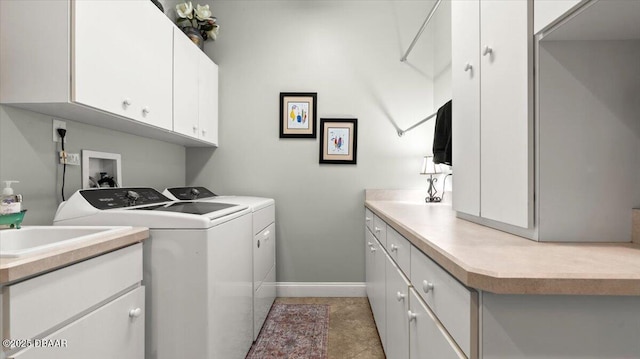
(373,249)
(400,296)
(412,316)
(377,229)
(426,286)
(394,248)
(370,244)
(134,313)
(368,219)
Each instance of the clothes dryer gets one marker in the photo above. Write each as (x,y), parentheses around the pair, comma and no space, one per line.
(264,243)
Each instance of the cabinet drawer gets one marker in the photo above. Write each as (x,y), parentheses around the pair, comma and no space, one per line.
(453,304)
(264,254)
(263,217)
(368,218)
(380,230)
(38,304)
(399,249)
(427,337)
(106,333)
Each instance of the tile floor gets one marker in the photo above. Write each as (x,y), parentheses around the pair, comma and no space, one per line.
(352,331)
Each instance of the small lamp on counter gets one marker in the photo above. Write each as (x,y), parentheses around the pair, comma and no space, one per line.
(430,168)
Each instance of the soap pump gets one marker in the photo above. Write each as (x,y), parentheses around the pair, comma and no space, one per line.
(10,203)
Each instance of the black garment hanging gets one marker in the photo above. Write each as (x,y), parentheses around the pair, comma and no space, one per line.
(442,136)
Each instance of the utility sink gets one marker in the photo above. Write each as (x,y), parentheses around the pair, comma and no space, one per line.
(31,240)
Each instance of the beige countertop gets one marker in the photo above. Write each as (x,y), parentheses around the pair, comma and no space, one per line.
(13,269)
(499,262)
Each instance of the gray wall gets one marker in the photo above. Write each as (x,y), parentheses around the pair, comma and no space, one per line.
(589,140)
(29,155)
(348,52)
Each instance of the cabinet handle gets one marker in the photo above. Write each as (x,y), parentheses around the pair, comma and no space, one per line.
(145,111)
(467,67)
(258,243)
(394,248)
(412,316)
(368,219)
(427,286)
(487,50)
(195,129)
(267,233)
(134,313)
(126,102)
(370,244)
(376,229)
(204,132)
(400,296)
(373,249)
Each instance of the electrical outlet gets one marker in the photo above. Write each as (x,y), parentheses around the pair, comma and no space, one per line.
(71,159)
(56,125)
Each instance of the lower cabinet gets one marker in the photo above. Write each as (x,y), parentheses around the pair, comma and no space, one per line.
(397,308)
(438,324)
(115,330)
(376,283)
(92,309)
(427,337)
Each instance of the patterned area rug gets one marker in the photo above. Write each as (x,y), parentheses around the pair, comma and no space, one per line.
(293,331)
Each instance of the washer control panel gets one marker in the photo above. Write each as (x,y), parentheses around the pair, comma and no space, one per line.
(109,198)
(190,193)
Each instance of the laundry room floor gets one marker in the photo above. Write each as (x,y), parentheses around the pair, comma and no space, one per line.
(352,330)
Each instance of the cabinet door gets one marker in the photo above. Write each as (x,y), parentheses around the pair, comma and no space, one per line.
(208,100)
(507,125)
(465,37)
(380,292)
(185,85)
(105,39)
(369,262)
(111,331)
(397,302)
(427,337)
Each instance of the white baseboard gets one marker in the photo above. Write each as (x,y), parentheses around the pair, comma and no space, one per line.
(321,289)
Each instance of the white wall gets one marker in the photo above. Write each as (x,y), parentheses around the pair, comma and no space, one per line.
(348,52)
(29,155)
(589,140)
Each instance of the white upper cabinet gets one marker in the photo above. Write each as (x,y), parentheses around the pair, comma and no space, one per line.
(195,111)
(122,60)
(492,113)
(208,100)
(104,63)
(465,62)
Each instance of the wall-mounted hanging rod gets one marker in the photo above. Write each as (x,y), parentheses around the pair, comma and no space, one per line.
(400,132)
(424,25)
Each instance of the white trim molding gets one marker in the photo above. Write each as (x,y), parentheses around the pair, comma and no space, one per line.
(321,289)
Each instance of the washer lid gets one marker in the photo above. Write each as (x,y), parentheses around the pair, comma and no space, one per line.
(200,208)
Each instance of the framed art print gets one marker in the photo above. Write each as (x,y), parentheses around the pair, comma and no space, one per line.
(338,140)
(298,114)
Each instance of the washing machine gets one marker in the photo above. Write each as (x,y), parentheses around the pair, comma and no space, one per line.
(197,268)
(264,243)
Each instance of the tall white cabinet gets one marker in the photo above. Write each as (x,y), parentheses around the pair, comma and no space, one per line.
(492,110)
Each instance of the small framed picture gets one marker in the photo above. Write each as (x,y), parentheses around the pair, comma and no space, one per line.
(298,114)
(338,140)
